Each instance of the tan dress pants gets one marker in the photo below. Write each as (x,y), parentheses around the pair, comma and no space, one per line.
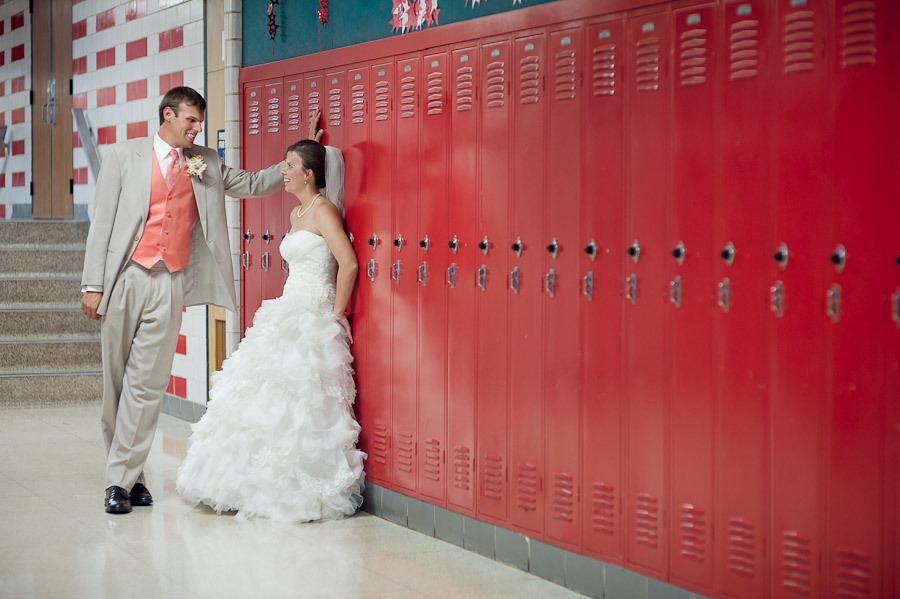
(139,334)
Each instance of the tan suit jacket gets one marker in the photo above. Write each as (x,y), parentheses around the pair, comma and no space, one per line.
(122,203)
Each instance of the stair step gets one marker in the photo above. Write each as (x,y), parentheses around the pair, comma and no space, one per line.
(40,293)
(36,262)
(50,389)
(51,356)
(48,325)
(31,233)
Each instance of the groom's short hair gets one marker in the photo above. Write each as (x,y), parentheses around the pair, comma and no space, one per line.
(177,96)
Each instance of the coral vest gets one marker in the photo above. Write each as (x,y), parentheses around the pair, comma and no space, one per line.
(170,223)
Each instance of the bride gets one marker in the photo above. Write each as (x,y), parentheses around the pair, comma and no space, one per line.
(278,440)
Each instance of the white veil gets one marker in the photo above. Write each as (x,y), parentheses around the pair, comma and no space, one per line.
(334,177)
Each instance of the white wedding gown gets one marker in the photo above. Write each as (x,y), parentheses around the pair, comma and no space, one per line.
(278,440)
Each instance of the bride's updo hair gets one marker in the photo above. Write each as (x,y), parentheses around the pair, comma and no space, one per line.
(312,156)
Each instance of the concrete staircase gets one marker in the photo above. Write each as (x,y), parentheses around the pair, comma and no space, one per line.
(49,351)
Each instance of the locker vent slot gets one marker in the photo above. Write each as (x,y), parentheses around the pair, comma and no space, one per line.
(529,80)
(496,84)
(647,59)
(435,93)
(604,70)
(380,444)
(313,104)
(646,522)
(742,547)
(858,35)
(854,575)
(293,113)
(407,97)
(253,119)
(527,493)
(693,533)
(334,107)
(464,91)
(274,115)
(693,57)
(405,451)
(433,459)
(603,518)
(357,104)
(493,477)
(798,42)
(797,563)
(744,56)
(565,75)
(381,101)
(563,496)
(462,467)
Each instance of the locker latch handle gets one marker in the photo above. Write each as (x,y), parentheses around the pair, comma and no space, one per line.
(451,276)
(514,280)
(728,254)
(589,285)
(631,289)
(776,298)
(724,294)
(482,277)
(833,303)
(423,273)
(284,265)
(398,243)
(349,235)
(373,240)
(635,251)
(591,250)
(454,244)
(553,248)
(517,247)
(678,253)
(485,245)
(839,258)
(550,282)
(245,260)
(265,262)
(370,270)
(781,256)
(425,243)
(675,291)
(395,272)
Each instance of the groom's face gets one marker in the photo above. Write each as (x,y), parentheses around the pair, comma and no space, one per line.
(182,127)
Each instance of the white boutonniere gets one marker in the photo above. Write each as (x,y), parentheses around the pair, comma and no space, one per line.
(195,166)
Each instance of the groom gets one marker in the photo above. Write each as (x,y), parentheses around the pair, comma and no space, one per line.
(157,242)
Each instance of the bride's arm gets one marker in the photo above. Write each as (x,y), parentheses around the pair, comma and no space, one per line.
(328,222)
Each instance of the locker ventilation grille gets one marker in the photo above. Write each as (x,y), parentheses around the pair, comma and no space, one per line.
(381,101)
(357,104)
(693,57)
(563,496)
(603,519)
(496,84)
(604,70)
(858,35)
(380,444)
(407,97)
(334,107)
(647,521)
(742,547)
(527,493)
(493,477)
(433,459)
(798,42)
(853,575)
(293,112)
(462,467)
(405,451)
(744,56)
(529,80)
(274,115)
(648,64)
(796,563)
(565,75)
(435,93)
(464,91)
(693,533)
(253,118)
(313,104)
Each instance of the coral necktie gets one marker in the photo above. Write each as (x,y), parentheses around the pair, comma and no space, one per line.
(173,170)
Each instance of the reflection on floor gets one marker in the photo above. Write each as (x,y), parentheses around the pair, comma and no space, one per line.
(56,541)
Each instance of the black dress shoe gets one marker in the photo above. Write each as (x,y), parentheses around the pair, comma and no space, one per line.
(117,501)
(140,496)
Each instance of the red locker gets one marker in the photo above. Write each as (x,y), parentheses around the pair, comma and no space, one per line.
(274,216)
(691,349)
(460,252)
(491,281)
(404,292)
(251,216)
(855,477)
(562,288)
(744,235)
(526,257)
(798,284)
(432,265)
(379,179)
(334,108)
(645,288)
(294,130)
(601,304)
(316,98)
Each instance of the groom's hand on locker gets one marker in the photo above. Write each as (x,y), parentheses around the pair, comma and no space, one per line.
(90,301)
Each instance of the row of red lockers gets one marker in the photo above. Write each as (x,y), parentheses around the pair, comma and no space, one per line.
(629,285)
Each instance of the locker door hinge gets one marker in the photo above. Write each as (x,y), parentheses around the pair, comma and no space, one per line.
(71,186)
(71,88)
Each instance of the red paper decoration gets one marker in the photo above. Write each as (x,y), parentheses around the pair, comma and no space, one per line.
(414,14)
(323,12)
(272,26)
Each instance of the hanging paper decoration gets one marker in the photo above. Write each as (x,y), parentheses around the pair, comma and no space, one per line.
(272,26)
(323,12)
(408,15)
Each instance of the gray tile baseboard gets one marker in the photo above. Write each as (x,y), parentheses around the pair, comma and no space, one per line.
(182,408)
(586,575)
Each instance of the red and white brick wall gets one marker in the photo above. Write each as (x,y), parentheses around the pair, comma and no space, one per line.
(189,368)
(15,109)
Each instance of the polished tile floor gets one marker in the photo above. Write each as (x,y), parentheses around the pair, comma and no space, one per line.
(56,541)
